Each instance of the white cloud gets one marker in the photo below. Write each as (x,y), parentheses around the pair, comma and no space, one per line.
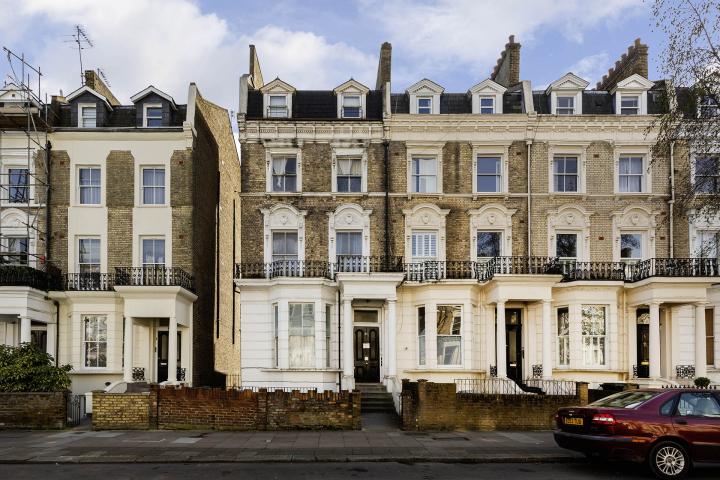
(471,33)
(171,43)
(592,67)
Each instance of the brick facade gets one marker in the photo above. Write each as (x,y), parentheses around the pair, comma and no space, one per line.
(437,406)
(33,410)
(200,409)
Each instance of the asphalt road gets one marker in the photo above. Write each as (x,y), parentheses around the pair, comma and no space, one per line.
(332,471)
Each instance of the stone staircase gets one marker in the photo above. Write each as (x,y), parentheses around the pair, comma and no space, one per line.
(375,398)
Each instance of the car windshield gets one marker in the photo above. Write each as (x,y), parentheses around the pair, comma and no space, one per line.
(624,400)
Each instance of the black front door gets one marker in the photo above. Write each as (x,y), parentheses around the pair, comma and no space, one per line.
(367,354)
(162,355)
(513,344)
(643,350)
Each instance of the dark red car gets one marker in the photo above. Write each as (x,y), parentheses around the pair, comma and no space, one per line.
(670,428)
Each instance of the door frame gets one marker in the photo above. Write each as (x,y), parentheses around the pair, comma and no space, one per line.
(156,355)
(380,325)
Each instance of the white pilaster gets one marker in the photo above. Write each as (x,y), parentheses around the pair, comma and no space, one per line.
(631,322)
(25,329)
(654,340)
(348,355)
(500,358)
(128,350)
(283,334)
(700,339)
(172,349)
(391,340)
(547,336)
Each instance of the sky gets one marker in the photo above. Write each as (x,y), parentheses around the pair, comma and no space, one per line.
(319,44)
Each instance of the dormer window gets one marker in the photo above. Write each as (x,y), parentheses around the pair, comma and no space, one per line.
(278,107)
(629,105)
(277,99)
(88,116)
(153,116)
(487,105)
(565,106)
(351,97)
(424,105)
(351,107)
(708,108)
(631,95)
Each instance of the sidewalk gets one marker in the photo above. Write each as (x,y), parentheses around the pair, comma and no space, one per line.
(165,446)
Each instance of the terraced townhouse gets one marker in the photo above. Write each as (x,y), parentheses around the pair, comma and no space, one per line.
(139,197)
(497,232)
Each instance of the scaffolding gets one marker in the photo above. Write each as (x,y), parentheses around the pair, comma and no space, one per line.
(24,170)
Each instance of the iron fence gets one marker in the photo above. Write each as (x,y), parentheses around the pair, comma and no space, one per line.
(675,267)
(76,410)
(487,386)
(371,264)
(573,271)
(89,281)
(563,388)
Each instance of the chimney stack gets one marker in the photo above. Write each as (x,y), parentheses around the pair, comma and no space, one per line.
(630,63)
(384,66)
(507,69)
(256,78)
(92,80)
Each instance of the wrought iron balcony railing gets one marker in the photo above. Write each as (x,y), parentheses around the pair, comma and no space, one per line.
(26,276)
(89,282)
(433,270)
(158,276)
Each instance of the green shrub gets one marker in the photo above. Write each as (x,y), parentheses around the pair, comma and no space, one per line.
(28,369)
(702,382)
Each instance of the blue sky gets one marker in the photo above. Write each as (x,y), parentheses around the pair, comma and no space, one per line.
(318,44)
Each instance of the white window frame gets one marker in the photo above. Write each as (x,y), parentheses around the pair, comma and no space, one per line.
(643,151)
(425,89)
(501,243)
(625,96)
(563,363)
(312,357)
(578,150)
(6,198)
(493,217)
(643,255)
(421,339)
(100,253)
(164,186)
(81,107)
(6,252)
(342,152)
(490,150)
(701,224)
(569,85)
(283,152)
(146,117)
(83,317)
(419,107)
(578,245)
(491,107)
(415,177)
(487,89)
(605,336)
(438,336)
(572,219)
(634,219)
(642,100)
(557,107)
(79,187)
(424,234)
(426,217)
(270,106)
(276,88)
(283,217)
(141,249)
(425,151)
(693,170)
(348,217)
(361,110)
(274,336)
(351,88)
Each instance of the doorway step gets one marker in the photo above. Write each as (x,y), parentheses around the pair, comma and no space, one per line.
(375,398)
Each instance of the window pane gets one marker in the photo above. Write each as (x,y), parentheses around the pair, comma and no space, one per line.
(349,243)
(488,165)
(448,320)
(488,244)
(566,245)
(631,245)
(278,100)
(448,350)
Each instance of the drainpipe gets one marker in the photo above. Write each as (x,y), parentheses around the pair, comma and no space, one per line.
(671,202)
(48,194)
(340,372)
(386,160)
(57,332)
(529,200)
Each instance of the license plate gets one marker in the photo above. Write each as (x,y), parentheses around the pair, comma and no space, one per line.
(573,421)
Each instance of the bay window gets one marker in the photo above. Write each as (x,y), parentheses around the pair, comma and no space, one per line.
(301,335)
(449,336)
(593,335)
(421,335)
(563,336)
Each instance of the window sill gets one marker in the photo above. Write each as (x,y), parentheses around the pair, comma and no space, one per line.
(152,205)
(283,194)
(88,205)
(633,194)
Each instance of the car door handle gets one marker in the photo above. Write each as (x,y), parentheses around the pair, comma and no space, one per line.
(681,422)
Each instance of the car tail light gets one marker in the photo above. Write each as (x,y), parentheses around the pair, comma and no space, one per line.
(603,419)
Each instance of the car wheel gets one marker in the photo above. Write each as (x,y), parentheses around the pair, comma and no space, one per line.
(669,460)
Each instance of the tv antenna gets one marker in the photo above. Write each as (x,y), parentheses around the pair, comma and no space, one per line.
(80,37)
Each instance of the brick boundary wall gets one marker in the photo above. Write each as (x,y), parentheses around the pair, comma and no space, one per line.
(36,410)
(217,409)
(437,406)
(123,411)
